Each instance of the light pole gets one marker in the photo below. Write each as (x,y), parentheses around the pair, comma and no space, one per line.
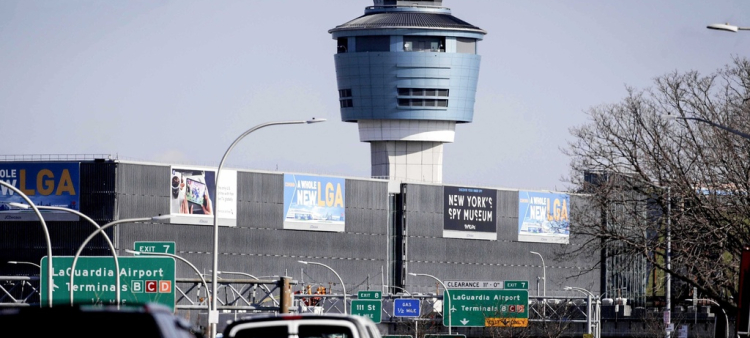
(733,131)
(275,302)
(544,275)
(27,263)
(334,272)
(726,318)
(101,230)
(136,253)
(726,27)
(96,225)
(46,237)
(213,312)
(589,295)
(450,309)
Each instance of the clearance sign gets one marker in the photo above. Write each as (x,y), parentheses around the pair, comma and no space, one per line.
(45,184)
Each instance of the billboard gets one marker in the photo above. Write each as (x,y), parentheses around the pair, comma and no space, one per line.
(314,203)
(54,184)
(469,213)
(543,217)
(194,196)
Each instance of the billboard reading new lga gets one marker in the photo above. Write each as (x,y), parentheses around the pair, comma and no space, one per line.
(55,184)
(315,203)
(469,213)
(194,196)
(543,217)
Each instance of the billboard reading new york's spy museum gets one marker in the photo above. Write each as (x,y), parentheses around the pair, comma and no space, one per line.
(543,217)
(54,184)
(469,213)
(315,203)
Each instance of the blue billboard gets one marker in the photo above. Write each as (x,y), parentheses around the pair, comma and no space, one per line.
(315,203)
(55,184)
(543,217)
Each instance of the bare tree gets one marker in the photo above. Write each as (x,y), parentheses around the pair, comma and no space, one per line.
(645,173)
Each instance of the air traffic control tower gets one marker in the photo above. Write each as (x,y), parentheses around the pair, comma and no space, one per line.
(407,73)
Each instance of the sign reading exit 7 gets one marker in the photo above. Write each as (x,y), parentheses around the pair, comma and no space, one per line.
(161,247)
(516,285)
(372,309)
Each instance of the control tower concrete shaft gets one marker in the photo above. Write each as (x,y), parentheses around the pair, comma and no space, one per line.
(407,73)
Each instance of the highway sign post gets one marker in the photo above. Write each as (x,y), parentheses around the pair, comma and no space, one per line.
(161,247)
(142,280)
(492,307)
(404,307)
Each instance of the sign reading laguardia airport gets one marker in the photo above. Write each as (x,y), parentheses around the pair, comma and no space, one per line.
(477,308)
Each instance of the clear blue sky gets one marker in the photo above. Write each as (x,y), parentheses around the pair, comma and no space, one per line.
(177,81)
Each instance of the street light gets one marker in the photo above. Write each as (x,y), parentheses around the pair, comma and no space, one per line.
(96,225)
(176,257)
(450,309)
(733,131)
(726,318)
(726,27)
(101,230)
(275,302)
(334,272)
(589,295)
(544,275)
(28,263)
(213,312)
(46,236)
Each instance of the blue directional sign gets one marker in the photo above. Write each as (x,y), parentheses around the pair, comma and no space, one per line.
(406,307)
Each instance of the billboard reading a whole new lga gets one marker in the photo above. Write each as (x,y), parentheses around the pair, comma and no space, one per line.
(315,203)
(55,184)
(543,217)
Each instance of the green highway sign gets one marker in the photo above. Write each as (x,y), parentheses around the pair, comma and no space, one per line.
(372,309)
(161,247)
(370,295)
(516,285)
(142,280)
(491,307)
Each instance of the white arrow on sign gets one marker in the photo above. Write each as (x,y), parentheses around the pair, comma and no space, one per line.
(464,321)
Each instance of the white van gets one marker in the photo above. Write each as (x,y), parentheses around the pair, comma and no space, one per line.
(305,325)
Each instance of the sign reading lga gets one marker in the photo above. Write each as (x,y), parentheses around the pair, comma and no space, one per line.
(543,217)
(314,203)
(55,184)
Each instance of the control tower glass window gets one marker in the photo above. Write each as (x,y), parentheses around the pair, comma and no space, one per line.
(342,45)
(424,44)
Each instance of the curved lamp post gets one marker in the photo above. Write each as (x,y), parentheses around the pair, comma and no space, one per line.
(334,272)
(96,225)
(213,312)
(450,310)
(27,263)
(590,296)
(275,302)
(733,131)
(726,27)
(544,275)
(137,253)
(46,237)
(101,230)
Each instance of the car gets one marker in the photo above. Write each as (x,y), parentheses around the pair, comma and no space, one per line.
(306,325)
(89,321)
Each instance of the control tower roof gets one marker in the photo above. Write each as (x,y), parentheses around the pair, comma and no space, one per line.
(418,20)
